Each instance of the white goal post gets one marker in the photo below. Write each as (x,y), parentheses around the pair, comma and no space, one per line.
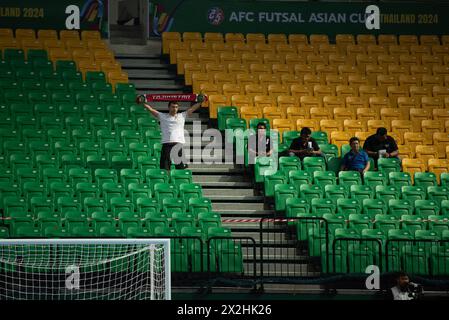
(85,269)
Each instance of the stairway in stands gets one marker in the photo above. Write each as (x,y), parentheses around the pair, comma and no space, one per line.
(227,185)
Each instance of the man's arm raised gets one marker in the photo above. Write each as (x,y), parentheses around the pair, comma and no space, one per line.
(196,106)
(153,111)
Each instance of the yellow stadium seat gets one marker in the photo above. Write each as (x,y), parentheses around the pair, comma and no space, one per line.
(390,114)
(208,57)
(417,115)
(296,39)
(72,44)
(183,58)
(335,80)
(384,81)
(343,40)
(414,139)
(315,59)
(277,38)
(91,35)
(413,165)
(230,89)
(356,102)
(366,114)
(255,89)
(216,101)
(372,125)
(347,70)
(199,78)
(446,102)
(82,54)
(272,113)
(354,126)
(261,48)
(440,91)
(429,40)
(229,57)
(363,59)
(59,54)
(311,102)
(317,39)
(432,103)
(254,38)
(438,166)
(440,70)
(241,48)
(346,91)
(420,70)
(210,89)
(108,67)
(306,49)
(400,127)
(6,33)
(267,79)
(238,68)
(357,80)
(169,38)
(176,49)
(425,153)
(373,71)
(405,104)
(408,40)
(188,36)
(440,50)
(378,103)
(441,141)
(103,55)
(376,50)
(362,135)
(344,113)
(320,113)
(283,125)
(88,65)
(249,58)
(330,101)
(234,38)
(331,125)
(69,34)
(419,92)
(27,44)
(337,59)
(248,113)
(47,34)
(115,77)
(96,44)
(222,47)
(353,50)
(25,34)
(53,44)
(398,50)
(302,69)
(368,91)
(241,100)
(313,79)
(212,67)
(394,92)
(213,37)
(440,114)
(399,71)
(408,59)
(272,59)
(287,101)
(446,60)
(385,60)
(285,48)
(281,69)
(292,59)
(340,138)
(320,91)
(409,80)
(366,39)
(221,78)
(405,152)
(259,68)
(299,90)
(429,60)
(262,101)
(324,70)
(245,78)
(327,49)
(9,43)
(313,124)
(296,113)
(387,39)
(276,90)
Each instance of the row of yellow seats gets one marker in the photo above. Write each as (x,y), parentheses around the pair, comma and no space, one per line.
(22,33)
(437,166)
(98,55)
(196,78)
(320,91)
(314,39)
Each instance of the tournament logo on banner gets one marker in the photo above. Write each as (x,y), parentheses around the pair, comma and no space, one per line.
(215,16)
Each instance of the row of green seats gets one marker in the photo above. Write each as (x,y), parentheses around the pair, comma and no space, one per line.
(283,192)
(11,54)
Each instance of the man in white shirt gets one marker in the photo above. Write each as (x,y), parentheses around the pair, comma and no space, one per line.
(172,127)
(404,289)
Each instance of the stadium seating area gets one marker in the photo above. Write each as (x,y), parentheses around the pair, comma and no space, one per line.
(339,90)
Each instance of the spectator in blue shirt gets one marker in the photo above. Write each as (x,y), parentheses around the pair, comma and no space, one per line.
(356,159)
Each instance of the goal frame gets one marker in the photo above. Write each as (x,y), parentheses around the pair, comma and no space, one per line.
(104,241)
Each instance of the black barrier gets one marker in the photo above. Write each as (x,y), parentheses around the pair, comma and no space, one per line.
(233,258)
(354,256)
(292,249)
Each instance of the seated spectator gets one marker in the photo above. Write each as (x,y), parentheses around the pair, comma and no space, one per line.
(305,145)
(381,145)
(261,145)
(356,159)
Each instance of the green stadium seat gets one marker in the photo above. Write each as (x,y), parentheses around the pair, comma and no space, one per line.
(412,223)
(309,192)
(17,161)
(99,87)
(387,192)
(361,255)
(350,233)
(10,54)
(444,178)
(67,204)
(172,205)
(400,179)
(37,54)
(41,204)
(165,190)
(335,192)
(158,221)
(121,204)
(360,222)
(105,136)
(154,176)
(123,123)
(323,178)
(221,232)
(387,165)
(95,76)
(127,98)
(312,164)
(75,219)
(110,232)
(375,178)
(386,222)
(348,206)
(98,123)
(373,207)
(322,206)
(230,257)
(272,180)
(288,136)
(199,205)
(263,166)
(28,175)
(189,191)
(181,220)
(28,232)
(138,190)
(349,178)
(320,137)
(296,206)
(130,136)
(438,193)
(109,99)
(298,178)
(112,190)
(361,192)
(413,193)
(444,206)
(88,193)
(11,190)
(128,220)
(330,150)
(178,177)
(55,86)
(415,260)
(147,206)
(147,124)
(128,176)
(399,208)
(6,176)
(425,208)
(345,148)
(334,222)
(153,136)
(122,88)
(425,179)
(4,233)
(65,65)
(92,111)
(78,175)
(136,111)
(46,75)
(114,149)
(438,224)
(144,163)
(287,164)
(58,189)
(208,220)
(47,219)
(72,76)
